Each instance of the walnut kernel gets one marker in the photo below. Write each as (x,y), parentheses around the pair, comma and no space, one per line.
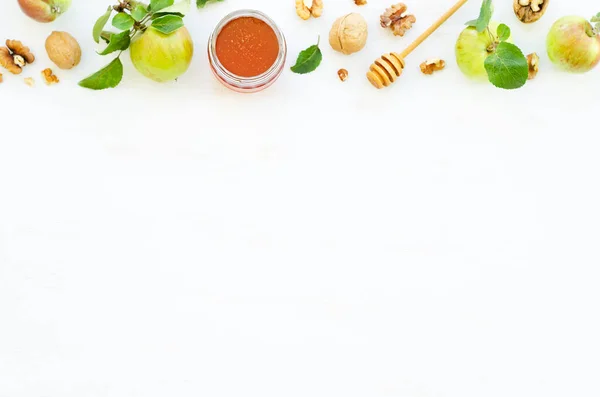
(343,74)
(307,8)
(360,2)
(432,65)
(29,81)
(533,60)
(397,19)
(349,34)
(15,56)
(63,50)
(49,77)
(529,11)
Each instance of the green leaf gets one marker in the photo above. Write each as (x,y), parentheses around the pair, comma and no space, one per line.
(596,18)
(139,12)
(101,23)
(167,23)
(181,7)
(485,16)
(123,21)
(108,77)
(503,32)
(157,5)
(105,36)
(507,68)
(162,14)
(308,60)
(118,42)
(203,3)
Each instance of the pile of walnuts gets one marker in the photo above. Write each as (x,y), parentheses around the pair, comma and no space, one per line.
(62,49)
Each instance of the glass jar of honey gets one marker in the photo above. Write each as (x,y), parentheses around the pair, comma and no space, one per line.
(247,51)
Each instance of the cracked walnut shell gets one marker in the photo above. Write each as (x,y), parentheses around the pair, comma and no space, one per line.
(349,34)
(529,11)
(397,19)
(307,8)
(15,56)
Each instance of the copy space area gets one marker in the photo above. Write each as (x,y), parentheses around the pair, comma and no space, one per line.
(438,238)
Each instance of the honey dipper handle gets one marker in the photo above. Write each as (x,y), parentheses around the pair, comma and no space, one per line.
(433,28)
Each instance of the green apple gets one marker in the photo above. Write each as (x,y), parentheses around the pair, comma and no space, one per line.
(472,49)
(44,10)
(162,57)
(573,45)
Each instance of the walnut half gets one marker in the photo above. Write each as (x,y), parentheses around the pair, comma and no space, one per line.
(533,61)
(529,11)
(397,19)
(432,65)
(15,56)
(309,8)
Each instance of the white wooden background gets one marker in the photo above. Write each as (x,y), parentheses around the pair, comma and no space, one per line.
(436,239)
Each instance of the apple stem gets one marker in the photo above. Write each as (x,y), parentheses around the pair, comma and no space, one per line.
(594,28)
(591,31)
(492,47)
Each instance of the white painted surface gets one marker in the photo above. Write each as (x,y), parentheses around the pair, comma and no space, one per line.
(439,238)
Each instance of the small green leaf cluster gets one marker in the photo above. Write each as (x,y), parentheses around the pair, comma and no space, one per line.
(130,18)
(596,22)
(203,3)
(506,65)
(308,60)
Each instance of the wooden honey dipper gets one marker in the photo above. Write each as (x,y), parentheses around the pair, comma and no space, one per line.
(386,70)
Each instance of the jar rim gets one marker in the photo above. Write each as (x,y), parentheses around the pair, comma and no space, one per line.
(240,81)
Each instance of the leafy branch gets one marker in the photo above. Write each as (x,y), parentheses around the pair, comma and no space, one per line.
(596,21)
(131,19)
(506,65)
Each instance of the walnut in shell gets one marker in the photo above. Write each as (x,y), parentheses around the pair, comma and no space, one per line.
(63,50)
(349,34)
(529,11)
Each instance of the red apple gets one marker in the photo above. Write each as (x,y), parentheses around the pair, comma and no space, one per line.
(44,10)
(574,45)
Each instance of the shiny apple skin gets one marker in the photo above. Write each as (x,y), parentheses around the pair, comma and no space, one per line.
(572,45)
(44,11)
(162,57)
